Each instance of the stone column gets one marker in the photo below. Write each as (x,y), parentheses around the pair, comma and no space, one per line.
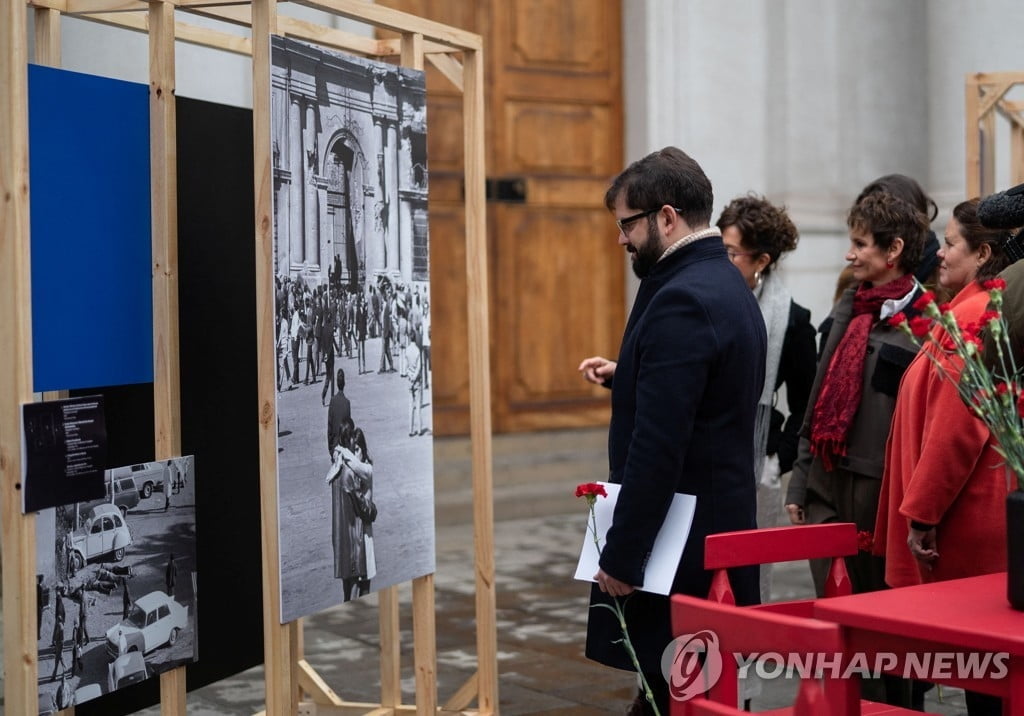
(294,235)
(309,162)
(395,246)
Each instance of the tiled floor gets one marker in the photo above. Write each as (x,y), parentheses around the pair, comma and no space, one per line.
(541,611)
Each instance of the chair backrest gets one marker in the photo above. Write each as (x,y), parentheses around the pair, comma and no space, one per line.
(781,544)
(810,701)
(745,631)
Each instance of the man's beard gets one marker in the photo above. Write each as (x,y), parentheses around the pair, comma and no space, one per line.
(648,253)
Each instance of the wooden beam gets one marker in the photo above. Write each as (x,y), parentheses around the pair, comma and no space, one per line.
(279,661)
(390,647)
(448,66)
(47,36)
(401,22)
(193,34)
(972,136)
(392,47)
(87,7)
(314,685)
(164,209)
(987,123)
(17,531)
(465,694)
(992,95)
(58,5)
(995,78)
(480,378)
(424,643)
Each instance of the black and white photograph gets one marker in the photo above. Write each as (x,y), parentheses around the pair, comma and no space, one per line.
(116,584)
(352,281)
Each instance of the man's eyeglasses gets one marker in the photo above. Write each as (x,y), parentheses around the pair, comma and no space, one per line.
(625,223)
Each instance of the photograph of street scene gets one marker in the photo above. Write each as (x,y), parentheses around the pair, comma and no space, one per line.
(352,290)
(116,584)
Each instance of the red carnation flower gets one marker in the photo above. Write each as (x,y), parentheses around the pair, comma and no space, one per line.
(994,284)
(988,316)
(590,489)
(919,326)
(865,541)
(923,301)
(898,320)
(945,308)
(1002,389)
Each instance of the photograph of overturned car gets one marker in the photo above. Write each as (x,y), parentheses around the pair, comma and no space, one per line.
(116,584)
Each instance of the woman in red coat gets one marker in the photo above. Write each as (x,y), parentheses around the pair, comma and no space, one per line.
(941,514)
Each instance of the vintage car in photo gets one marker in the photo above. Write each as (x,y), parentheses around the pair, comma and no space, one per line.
(103,532)
(122,492)
(154,620)
(126,670)
(87,693)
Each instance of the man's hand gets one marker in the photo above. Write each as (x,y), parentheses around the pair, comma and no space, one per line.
(610,585)
(796,514)
(597,369)
(922,545)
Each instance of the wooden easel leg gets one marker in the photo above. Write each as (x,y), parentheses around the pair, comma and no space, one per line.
(424,644)
(390,648)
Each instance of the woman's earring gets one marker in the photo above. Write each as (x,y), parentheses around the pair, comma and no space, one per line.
(889,264)
(758,278)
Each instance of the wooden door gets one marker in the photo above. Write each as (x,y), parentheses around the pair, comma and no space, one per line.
(554,139)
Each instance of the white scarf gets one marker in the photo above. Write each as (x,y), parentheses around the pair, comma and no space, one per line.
(774,300)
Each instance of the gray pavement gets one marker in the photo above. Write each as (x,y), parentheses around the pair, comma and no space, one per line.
(541,611)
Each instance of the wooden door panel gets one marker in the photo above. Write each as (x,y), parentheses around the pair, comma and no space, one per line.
(554,125)
(555,271)
(559,138)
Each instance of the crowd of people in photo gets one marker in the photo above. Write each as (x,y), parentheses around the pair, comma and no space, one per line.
(320,323)
(876,432)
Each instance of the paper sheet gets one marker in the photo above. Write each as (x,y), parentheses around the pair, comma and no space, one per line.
(667,550)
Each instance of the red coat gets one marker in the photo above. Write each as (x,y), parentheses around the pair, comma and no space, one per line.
(941,469)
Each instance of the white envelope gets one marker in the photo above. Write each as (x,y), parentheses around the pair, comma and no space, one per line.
(668,546)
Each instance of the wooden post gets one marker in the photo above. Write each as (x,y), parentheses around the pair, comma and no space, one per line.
(390,648)
(47,36)
(972,136)
(18,539)
(163,155)
(279,640)
(480,378)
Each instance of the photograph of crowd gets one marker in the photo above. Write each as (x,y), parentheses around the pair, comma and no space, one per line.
(352,283)
(116,584)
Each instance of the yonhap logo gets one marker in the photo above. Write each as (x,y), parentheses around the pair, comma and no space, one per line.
(691,664)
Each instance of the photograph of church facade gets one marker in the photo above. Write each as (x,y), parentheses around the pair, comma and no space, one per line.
(351,249)
(350,167)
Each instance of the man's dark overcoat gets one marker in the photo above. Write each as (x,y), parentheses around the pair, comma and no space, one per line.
(684,395)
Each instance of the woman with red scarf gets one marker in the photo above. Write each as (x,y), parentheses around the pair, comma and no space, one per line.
(838,471)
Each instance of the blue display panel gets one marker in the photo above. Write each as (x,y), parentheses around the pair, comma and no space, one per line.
(92,300)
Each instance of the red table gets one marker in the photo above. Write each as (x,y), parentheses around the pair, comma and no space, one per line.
(961,615)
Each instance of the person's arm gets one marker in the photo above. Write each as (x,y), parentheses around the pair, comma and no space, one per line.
(678,348)
(952,443)
(799,363)
(796,493)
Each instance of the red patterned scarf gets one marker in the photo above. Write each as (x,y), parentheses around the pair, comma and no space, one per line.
(841,387)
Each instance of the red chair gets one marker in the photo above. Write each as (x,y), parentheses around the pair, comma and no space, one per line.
(744,631)
(781,544)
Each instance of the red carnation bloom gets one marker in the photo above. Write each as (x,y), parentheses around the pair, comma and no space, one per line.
(865,541)
(919,326)
(586,489)
(926,298)
(898,320)
(994,284)
(1020,405)
(988,316)
(1002,389)
(945,308)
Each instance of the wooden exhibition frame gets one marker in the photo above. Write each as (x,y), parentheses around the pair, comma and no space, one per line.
(985,98)
(458,55)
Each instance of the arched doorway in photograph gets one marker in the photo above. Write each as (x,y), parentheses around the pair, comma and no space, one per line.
(345,172)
